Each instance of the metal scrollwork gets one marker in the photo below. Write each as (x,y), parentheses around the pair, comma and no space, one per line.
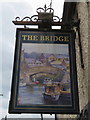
(56,19)
(49,10)
(26,19)
(40,10)
(47,13)
(34,18)
(17,18)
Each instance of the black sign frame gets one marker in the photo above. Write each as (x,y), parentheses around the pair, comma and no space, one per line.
(45,109)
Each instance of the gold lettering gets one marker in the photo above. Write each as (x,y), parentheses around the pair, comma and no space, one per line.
(30,37)
(47,38)
(67,38)
(41,37)
(61,38)
(24,37)
(56,38)
(35,37)
(51,38)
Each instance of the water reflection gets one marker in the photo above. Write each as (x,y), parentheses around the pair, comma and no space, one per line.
(31,94)
(34,95)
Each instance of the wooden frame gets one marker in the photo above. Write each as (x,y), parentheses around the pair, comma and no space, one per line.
(44,73)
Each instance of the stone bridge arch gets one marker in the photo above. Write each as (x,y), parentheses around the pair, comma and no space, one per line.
(42,70)
(37,74)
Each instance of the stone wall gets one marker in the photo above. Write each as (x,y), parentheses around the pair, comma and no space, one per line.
(89,50)
(83,10)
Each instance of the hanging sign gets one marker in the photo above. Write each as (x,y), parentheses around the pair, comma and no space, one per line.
(44,74)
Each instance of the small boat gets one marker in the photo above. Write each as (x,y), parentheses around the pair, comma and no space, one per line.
(51,94)
(51,97)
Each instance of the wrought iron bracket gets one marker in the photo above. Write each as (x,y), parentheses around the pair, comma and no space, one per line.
(45,15)
(17,21)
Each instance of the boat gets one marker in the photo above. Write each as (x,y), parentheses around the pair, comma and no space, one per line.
(51,97)
(51,93)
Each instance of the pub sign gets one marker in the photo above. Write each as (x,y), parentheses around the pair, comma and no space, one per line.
(44,73)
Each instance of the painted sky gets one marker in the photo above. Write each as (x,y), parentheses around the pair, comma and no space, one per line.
(45,48)
(9,9)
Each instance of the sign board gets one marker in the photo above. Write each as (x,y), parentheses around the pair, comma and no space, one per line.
(44,73)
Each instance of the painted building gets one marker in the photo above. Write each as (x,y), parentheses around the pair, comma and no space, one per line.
(52,58)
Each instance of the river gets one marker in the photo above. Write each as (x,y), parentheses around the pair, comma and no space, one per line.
(34,95)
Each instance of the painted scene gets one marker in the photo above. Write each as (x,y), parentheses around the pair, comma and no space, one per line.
(44,75)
